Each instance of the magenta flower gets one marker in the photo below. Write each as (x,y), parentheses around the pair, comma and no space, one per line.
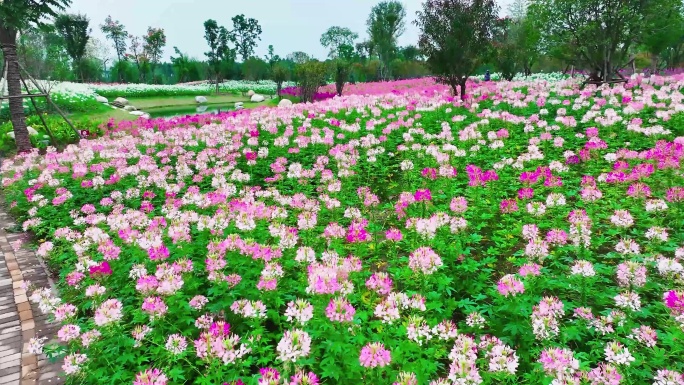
(422,195)
(526,193)
(102,269)
(374,355)
(508,206)
(675,301)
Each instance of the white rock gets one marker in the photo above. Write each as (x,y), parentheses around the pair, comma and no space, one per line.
(239,104)
(238,108)
(32,131)
(11,134)
(145,115)
(101,99)
(137,113)
(129,108)
(257,98)
(122,101)
(285,103)
(200,99)
(251,93)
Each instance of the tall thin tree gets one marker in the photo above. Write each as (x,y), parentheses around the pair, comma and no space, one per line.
(116,32)
(244,35)
(385,25)
(16,15)
(75,32)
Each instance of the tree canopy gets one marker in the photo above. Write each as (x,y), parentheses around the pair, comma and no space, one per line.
(336,38)
(75,32)
(385,25)
(456,36)
(245,34)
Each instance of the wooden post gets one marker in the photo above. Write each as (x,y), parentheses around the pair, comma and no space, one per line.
(35,107)
(78,135)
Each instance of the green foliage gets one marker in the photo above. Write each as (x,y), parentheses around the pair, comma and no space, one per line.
(280,74)
(154,43)
(299,57)
(595,35)
(75,33)
(255,69)
(385,25)
(245,34)
(18,15)
(341,71)
(61,131)
(504,51)
(456,37)
(42,50)
(664,30)
(116,32)
(271,57)
(219,52)
(335,38)
(310,75)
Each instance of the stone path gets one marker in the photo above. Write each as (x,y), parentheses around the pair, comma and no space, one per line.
(19,319)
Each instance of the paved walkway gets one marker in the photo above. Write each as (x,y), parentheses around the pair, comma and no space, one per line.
(20,320)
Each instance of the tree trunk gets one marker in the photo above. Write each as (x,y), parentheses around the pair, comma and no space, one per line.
(9,49)
(217,83)
(654,64)
(463,89)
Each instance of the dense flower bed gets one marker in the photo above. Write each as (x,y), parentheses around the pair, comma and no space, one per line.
(532,236)
(69,97)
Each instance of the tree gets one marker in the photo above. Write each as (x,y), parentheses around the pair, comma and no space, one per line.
(599,33)
(42,50)
(341,70)
(518,9)
(336,37)
(299,57)
(96,49)
(365,49)
(410,53)
(154,43)
(456,35)
(75,32)
(255,68)
(526,39)
(116,32)
(219,51)
(271,58)
(181,63)
(385,24)
(504,50)
(664,29)
(280,74)
(244,35)
(139,57)
(310,74)
(16,15)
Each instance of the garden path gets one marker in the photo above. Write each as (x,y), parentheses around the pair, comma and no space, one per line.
(20,320)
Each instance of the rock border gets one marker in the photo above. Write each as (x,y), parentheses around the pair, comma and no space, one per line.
(23,264)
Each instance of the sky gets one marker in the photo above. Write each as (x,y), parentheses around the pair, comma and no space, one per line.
(289,25)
